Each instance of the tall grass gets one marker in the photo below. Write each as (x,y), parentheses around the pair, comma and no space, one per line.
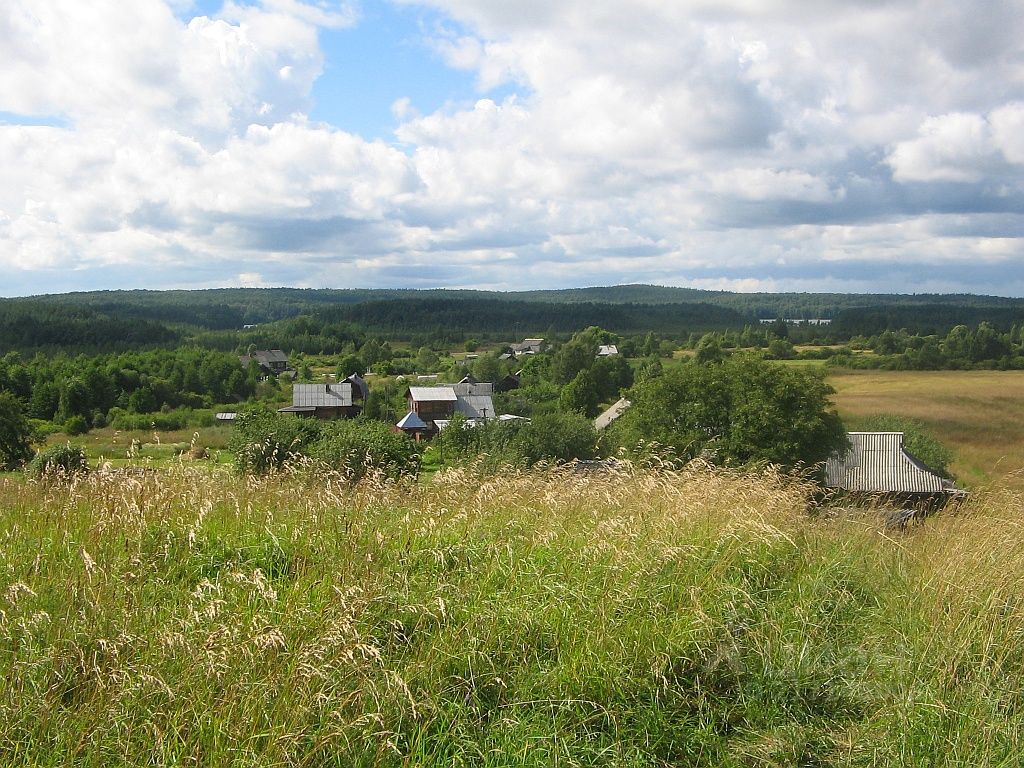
(632,618)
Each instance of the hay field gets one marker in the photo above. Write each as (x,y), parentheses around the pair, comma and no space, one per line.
(978,414)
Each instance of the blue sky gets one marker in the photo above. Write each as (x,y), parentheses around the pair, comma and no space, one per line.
(842,146)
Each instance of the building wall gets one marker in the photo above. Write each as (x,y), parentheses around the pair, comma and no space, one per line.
(429,410)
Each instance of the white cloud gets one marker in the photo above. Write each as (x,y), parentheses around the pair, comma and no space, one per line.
(734,143)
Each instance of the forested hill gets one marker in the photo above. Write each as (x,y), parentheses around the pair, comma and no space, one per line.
(117,320)
(227,308)
(456,319)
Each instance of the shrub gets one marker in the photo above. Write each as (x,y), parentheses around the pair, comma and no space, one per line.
(58,460)
(552,436)
(263,441)
(358,447)
(76,425)
(556,437)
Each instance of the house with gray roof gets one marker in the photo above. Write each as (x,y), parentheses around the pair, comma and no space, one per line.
(272,362)
(322,401)
(879,463)
(527,347)
(472,399)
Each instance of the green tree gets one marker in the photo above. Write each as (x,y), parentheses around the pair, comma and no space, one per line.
(487,368)
(556,437)
(611,375)
(744,410)
(709,349)
(348,365)
(580,395)
(15,433)
(781,349)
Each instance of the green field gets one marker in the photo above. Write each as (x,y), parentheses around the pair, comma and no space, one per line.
(695,618)
(979,414)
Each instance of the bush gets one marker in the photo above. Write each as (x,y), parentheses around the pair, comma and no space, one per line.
(556,437)
(359,447)
(76,425)
(263,441)
(165,421)
(58,460)
(553,436)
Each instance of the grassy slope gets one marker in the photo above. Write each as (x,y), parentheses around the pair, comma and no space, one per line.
(544,619)
(979,414)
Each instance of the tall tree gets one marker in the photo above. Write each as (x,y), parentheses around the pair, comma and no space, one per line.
(741,411)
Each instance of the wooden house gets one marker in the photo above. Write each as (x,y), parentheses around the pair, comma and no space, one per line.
(322,401)
(470,398)
(272,362)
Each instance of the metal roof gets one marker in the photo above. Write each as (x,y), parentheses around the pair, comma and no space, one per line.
(476,407)
(877,462)
(614,411)
(411,421)
(322,395)
(272,355)
(464,388)
(432,394)
(360,384)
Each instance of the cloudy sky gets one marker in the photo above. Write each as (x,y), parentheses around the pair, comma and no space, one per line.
(839,145)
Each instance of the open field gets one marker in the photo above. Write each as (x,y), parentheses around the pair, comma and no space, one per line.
(120,447)
(978,414)
(631,619)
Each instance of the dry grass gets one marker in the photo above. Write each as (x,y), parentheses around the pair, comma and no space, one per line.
(635,618)
(978,414)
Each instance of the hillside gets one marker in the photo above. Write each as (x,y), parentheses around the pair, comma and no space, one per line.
(119,320)
(696,618)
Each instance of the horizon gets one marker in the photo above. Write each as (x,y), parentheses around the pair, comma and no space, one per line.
(508,292)
(466,145)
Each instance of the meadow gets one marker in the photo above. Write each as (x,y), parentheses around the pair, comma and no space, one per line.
(629,618)
(978,414)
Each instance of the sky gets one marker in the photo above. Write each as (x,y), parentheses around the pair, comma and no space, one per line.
(747,145)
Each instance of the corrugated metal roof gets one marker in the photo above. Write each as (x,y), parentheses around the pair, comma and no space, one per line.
(322,395)
(877,462)
(476,407)
(432,394)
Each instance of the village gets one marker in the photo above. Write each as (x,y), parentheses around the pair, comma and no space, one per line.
(870,465)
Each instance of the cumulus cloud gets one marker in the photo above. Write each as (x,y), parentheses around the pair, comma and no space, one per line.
(731,144)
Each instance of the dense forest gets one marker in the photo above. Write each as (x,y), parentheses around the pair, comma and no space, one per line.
(325,320)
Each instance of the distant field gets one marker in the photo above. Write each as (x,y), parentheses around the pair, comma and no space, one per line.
(978,414)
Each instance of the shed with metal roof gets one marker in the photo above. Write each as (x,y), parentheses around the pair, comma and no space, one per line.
(878,462)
